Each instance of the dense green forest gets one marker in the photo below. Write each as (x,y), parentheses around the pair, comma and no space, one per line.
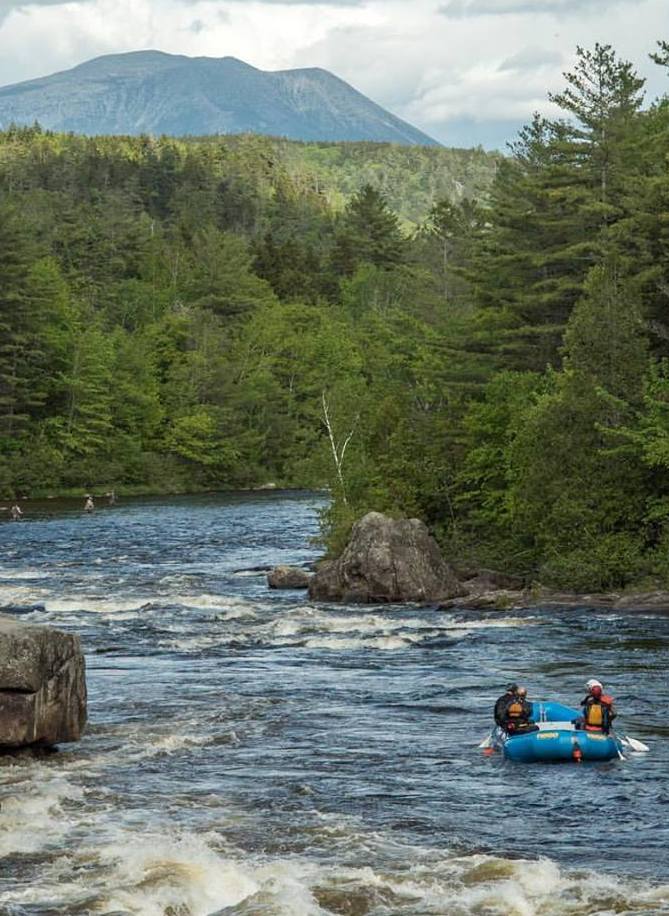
(480,341)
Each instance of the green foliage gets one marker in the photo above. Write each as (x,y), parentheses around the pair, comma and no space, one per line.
(474,340)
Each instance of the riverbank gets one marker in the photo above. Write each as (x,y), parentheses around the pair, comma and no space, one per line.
(630,601)
(37,505)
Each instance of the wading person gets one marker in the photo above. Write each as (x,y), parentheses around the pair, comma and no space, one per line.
(16,513)
(89,505)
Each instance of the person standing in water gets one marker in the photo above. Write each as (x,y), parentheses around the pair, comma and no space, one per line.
(89,505)
(16,512)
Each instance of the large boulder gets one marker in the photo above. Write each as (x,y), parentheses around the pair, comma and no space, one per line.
(288,577)
(42,685)
(386,560)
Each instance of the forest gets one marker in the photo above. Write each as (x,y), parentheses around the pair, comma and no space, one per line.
(478,340)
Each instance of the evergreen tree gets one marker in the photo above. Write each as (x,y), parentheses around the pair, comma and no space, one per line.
(553,207)
(368,232)
(577,500)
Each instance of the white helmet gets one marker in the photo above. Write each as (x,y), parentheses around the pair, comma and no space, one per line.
(593,682)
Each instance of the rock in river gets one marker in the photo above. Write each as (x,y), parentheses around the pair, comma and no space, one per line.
(386,560)
(42,685)
(288,577)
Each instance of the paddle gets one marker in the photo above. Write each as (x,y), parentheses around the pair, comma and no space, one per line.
(633,743)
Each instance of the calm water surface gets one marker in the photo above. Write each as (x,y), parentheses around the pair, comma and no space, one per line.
(251,753)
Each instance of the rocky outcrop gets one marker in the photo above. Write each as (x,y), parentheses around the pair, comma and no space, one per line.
(386,560)
(288,577)
(540,598)
(488,580)
(42,685)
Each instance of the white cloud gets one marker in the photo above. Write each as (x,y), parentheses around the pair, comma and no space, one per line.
(532,58)
(460,8)
(475,75)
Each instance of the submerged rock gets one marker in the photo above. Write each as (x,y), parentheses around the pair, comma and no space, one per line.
(42,685)
(386,560)
(288,577)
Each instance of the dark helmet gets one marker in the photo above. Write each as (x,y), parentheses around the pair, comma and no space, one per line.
(512,687)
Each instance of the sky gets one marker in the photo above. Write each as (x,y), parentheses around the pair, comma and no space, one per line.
(467,72)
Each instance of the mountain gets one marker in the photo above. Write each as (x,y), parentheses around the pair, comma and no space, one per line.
(149,92)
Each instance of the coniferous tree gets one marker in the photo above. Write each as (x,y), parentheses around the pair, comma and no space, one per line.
(369,232)
(553,207)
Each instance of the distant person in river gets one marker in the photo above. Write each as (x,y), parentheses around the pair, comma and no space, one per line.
(16,513)
(517,717)
(510,692)
(598,709)
(89,505)
(111,498)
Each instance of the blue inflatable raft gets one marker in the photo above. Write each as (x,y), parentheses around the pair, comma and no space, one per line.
(557,738)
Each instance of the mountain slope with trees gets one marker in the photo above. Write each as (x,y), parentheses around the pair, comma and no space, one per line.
(484,346)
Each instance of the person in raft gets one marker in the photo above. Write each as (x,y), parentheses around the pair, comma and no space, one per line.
(517,719)
(510,692)
(598,709)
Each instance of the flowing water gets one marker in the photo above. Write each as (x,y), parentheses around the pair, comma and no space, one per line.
(252,753)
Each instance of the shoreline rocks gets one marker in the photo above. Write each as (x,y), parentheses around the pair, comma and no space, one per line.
(288,577)
(656,602)
(42,685)
(386,561)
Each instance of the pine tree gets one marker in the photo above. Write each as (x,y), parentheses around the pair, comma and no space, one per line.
(553,207)
(20,346)
(576,498)
(368,232)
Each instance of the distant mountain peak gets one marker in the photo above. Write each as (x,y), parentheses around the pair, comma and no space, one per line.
(153,92)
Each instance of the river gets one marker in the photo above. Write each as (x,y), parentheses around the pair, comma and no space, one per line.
(250,753)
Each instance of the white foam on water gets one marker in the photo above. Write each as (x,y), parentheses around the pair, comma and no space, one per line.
(491,623)
(123,604)
(341,644)
(31,812)
(154,871)
(204,601)
(166,744)
(153,875)
(432,881)
(96,604)
(21,595)
(19,574)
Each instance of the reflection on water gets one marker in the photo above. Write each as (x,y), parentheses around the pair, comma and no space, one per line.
(251,753)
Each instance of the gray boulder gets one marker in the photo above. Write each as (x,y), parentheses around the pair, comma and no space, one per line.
(386,560)
(489,579)
(42,685)
(288,577)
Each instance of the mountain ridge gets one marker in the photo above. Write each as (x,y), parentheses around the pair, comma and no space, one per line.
(157,93)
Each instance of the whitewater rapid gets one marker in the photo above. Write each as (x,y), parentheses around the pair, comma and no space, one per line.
(252,753)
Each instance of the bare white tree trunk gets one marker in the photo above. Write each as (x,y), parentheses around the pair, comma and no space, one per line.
(338,450)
